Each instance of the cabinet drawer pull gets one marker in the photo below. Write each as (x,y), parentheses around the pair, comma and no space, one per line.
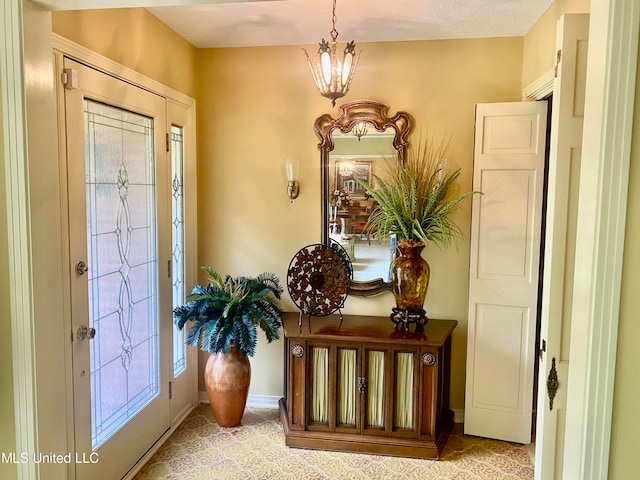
(362,384)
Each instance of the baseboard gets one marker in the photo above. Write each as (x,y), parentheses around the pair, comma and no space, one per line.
(258,401)
(458,415)
(271,401)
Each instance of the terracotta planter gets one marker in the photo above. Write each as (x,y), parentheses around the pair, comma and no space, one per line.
(227,377)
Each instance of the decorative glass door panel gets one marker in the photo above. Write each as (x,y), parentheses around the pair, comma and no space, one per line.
(121,233)
(177,242)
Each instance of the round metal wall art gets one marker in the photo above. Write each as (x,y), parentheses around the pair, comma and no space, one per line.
(318,279)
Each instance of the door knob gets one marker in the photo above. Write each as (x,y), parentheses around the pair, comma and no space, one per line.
(81,268)
(85,332)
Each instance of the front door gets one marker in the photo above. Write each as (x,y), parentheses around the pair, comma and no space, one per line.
(506,219)
(120,287)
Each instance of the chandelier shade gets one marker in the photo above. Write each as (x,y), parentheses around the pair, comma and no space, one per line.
(331,73)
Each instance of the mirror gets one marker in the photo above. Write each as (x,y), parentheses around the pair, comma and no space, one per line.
(355,146)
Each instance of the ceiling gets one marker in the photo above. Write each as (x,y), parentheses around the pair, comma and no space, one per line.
(237,23)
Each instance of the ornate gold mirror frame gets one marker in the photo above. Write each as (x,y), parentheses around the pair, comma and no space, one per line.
(351,114)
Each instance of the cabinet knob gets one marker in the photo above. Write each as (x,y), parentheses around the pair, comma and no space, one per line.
(297,350)
(429,359)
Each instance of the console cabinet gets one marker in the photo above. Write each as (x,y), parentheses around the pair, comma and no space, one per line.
(360,385)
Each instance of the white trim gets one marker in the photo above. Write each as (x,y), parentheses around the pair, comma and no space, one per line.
(14,142)
(104,64)
(458,415)
(263,401)
(540,88)
(611,81)
(257,401)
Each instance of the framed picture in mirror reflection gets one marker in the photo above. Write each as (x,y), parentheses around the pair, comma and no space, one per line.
(347,173)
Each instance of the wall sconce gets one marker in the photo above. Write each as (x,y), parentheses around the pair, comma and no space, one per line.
(291,167)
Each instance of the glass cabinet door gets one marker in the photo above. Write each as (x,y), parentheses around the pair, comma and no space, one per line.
(348,389)
(403,417)
(319,385)
(375,394)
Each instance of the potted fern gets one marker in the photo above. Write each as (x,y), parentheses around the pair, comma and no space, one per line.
(225,315)
(415,199)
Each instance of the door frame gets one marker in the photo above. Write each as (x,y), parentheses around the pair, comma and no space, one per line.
(29,141)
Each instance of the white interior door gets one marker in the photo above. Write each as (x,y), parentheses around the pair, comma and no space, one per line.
(565,152)
(509,159)
(118,217)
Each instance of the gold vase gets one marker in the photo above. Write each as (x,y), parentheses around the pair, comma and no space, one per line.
(410,278)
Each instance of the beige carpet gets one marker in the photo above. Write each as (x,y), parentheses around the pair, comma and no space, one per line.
(199,449)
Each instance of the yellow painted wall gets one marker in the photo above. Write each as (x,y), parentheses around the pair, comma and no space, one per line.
(134,38)
(256,107)
(624,461)
(540,41)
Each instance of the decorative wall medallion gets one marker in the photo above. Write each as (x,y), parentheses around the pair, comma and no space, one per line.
(297,350)
(429,359)
(318,279)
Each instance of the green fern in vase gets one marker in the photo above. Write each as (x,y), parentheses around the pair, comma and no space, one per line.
(229,310)
(415,199)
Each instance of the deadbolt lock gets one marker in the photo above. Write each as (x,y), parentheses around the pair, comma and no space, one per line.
(85,332)
(81,268)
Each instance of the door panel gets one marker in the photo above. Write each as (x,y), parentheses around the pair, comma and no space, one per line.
(560,239)
(183,251)
(116,172)
(509,161)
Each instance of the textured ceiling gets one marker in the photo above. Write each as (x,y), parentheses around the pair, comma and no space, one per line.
(229,23)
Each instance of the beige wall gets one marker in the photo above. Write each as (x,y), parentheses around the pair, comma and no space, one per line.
(134,38)
(624,461)
(540,41)
(256,107)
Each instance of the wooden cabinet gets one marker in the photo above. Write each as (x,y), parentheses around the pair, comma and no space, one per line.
(359,385)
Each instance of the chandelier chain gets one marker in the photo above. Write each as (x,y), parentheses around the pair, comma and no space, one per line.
(334,32)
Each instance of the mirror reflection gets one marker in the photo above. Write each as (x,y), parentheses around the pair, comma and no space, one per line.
(359,157)
(355,146)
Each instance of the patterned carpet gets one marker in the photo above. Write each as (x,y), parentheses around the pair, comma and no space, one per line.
(199,449)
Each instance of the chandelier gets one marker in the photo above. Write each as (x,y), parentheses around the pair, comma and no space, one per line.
(332,75)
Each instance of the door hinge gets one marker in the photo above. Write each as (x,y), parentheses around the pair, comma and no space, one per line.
(169,268)
(170,390)
(542,349)
(167,140)
(558,58)
(69,78)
